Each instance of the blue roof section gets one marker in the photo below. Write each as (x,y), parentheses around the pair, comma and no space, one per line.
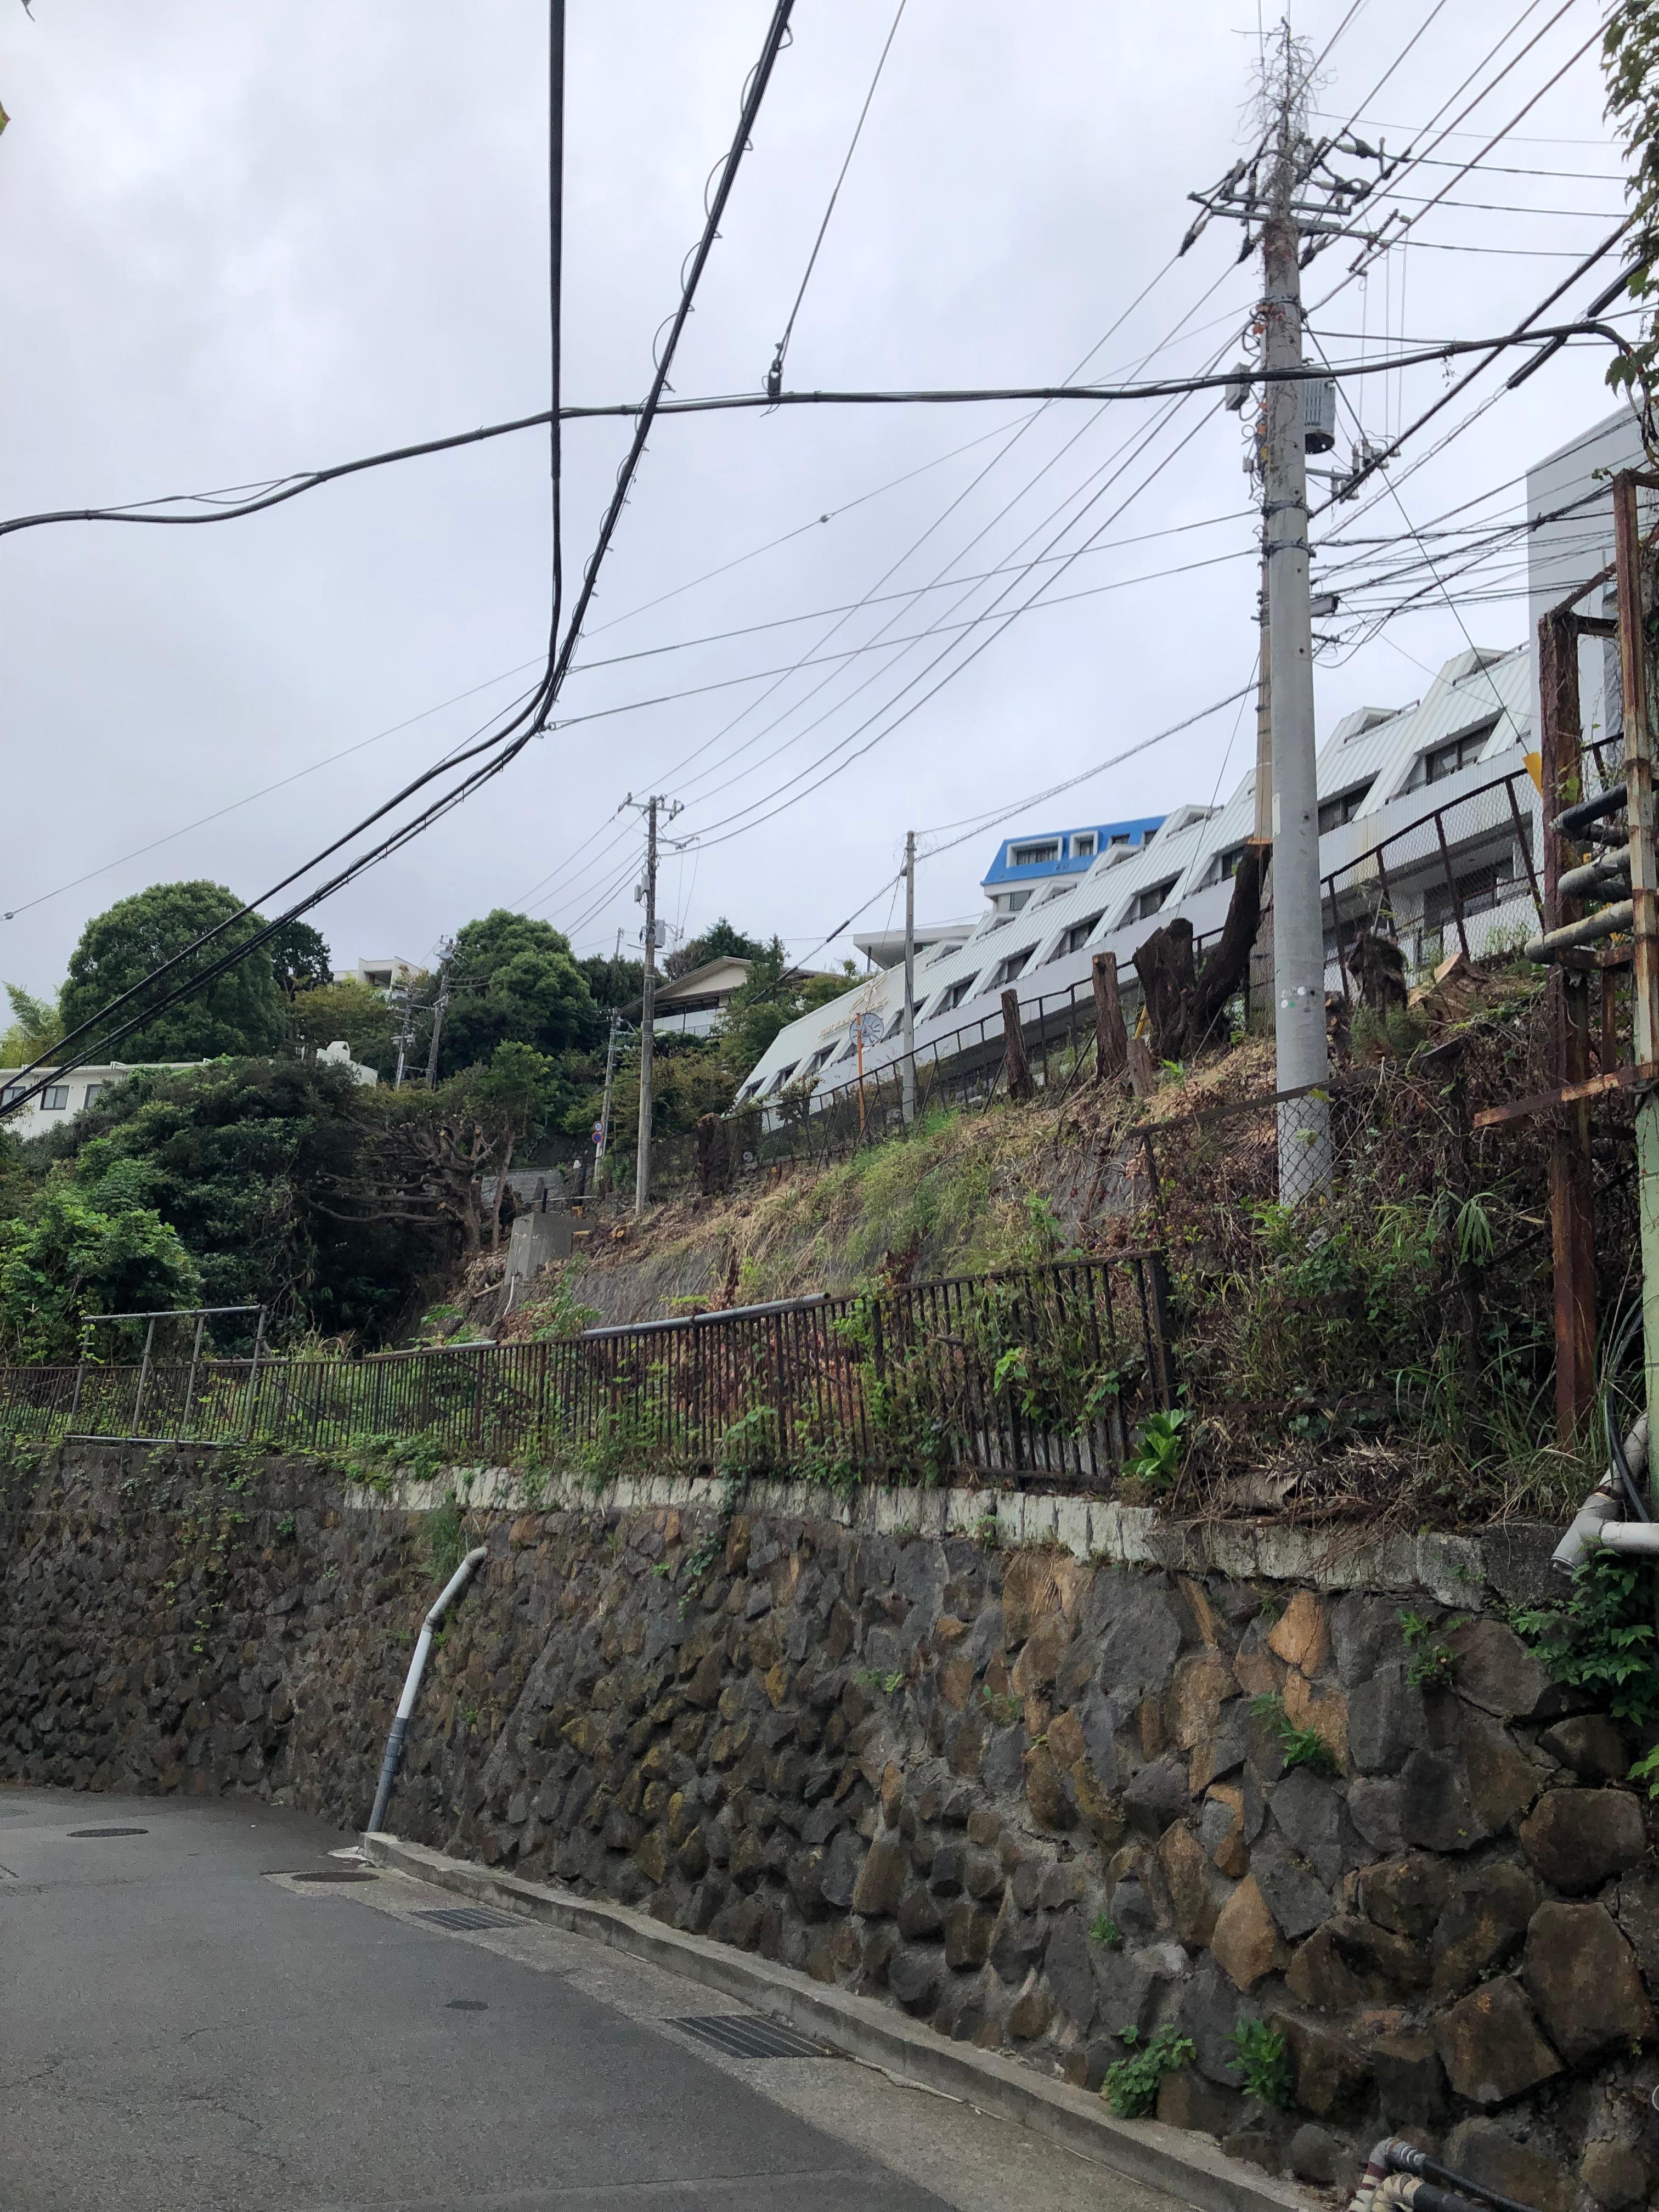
(1067,860)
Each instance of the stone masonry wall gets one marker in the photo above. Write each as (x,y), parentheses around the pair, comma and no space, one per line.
(1027,1798)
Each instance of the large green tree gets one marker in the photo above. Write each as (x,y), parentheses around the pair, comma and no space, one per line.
(247,1163)
(347,1011)
(512,980)
(240,1012)
(299,958)
(1630,54)
(86,1241)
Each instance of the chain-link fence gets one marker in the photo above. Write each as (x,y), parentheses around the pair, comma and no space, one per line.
(1463,878)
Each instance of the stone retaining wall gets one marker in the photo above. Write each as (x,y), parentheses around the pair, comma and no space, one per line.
(1028,1797)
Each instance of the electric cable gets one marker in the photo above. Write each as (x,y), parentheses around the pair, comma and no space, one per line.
(511,741)
(774,374)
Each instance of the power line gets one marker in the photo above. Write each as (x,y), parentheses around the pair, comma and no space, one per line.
(525,724)
(727,403)
(774,374)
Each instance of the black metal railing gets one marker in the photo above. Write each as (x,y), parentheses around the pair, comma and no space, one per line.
(1045,1370)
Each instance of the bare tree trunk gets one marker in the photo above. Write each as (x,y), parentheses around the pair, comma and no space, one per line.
(1020,1085)
(500,1193)
(1111,1039)
(1185,1002)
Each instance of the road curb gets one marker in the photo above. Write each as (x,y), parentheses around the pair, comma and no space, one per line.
(1189,2166)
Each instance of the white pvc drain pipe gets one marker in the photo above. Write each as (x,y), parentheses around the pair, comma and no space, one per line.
(394,1743)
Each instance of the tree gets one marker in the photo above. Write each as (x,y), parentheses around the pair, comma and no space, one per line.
(768,1002)
(1184,1001)
(512,978)
(720,940)
(243,1160)
(1630,55)
(240,1012)
(618,983)
(86,1244)
(36,1026)
(349,1011)
(299,959)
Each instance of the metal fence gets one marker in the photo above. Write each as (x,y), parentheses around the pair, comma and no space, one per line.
(1046,1371)
(1462,878)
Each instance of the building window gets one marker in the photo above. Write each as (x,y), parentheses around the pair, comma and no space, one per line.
(14,1092)
(54,1098)
(93,1090)
(1083,845)
(951,1000)
(1034,856)
(822,1057)
(1010,970)
(1442,761)
(781,1078)
(1122,838)
(1333,812)
(1227,863)
(1074,939)
(1148,901)
(1478,891)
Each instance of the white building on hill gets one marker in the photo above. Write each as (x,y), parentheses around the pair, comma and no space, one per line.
(1380,770)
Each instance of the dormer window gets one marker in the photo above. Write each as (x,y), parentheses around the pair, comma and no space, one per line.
(1083,845)
(1146,903)
(1034,856)
(1459,752)
(1335,812)
(1227,863)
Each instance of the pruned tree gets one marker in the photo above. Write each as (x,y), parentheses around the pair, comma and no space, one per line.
(1185,1000)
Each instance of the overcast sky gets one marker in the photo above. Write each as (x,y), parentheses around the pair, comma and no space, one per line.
(240,239)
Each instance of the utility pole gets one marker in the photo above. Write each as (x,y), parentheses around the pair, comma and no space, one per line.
(652,809)
(610,1076)
(1304,1124)
(446,953)
(405,1038)
(1292,202)
(909,1070)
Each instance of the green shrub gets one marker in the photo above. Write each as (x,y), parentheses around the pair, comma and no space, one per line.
(1131,2084)
(1601,1640)
(1263,2064)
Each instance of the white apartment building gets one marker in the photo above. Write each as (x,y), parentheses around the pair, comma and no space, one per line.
(1383,771)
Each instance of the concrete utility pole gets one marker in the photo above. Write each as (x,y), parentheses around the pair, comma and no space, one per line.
(610,1077)
(1292,201)
(653,808)
(405,1038)
(1305,1126)
(909,1069)
(438,1005)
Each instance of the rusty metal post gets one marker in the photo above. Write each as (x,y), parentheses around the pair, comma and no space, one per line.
(1634,610)
(1572,1223)
(1452,891)
(1020,1085)
(1111,1038)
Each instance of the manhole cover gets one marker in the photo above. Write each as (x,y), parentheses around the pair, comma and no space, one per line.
(745,2036)
(466,2005)
(337,1874)
(109,1832)
(465,1917)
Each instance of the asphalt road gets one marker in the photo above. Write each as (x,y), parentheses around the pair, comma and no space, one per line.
(186,2024)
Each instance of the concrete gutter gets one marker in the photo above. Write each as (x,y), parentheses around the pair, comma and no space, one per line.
(1189,2166)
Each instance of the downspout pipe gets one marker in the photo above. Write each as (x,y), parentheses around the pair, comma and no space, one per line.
(1600,1518)
(394,1743)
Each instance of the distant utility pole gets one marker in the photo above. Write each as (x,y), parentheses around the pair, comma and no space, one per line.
(652,809)
(447,953)
(1294,201)
(610,1077)
(405,1038)
(909,1070)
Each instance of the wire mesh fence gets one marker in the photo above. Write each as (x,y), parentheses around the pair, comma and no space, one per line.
(1464,877)
(1046,1371)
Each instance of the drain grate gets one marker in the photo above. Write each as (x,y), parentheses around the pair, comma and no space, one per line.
(337,1874)
(743,2036)
(109,1832)
(465,1917)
